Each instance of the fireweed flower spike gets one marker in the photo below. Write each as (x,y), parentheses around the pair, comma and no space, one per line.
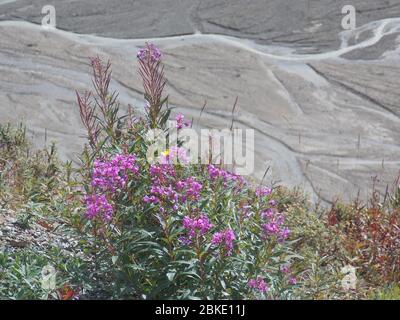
(263,191)
(190,189)
(275,225)
(110,175)
(226,176)
(149,53)
(258,284)
(152,73)
(181,122)
(226,238)
(293,280)
(98,205)
(272,203)
(195,227)
(285,269)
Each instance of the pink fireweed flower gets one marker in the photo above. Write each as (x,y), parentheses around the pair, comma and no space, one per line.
(263,191)
(166,190)
(156,171)
(285,269)
(110,175)
(190,189)
(150,199)
(201,224)
(225,238)
(195,227)
(98,205)
(258,284)
(162,174)
(174,155)
(267,214)
(150,53)
(285,232)
(275,225)
(181,122)
(185,240)
(272,203)
(226,176)
(166,193)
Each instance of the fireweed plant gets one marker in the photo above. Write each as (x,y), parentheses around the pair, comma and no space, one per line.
(174,229)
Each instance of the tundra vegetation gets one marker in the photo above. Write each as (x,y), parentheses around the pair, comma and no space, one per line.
(117,227)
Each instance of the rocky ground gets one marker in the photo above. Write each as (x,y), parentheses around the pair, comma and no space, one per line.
(18,231)
(323,103)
